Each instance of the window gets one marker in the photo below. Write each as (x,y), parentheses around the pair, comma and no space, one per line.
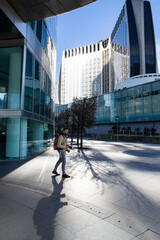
(150,55)
(36,88)
(32,24)
(98,46)
(36,70)
(28,82)
(45,36)
(39,30)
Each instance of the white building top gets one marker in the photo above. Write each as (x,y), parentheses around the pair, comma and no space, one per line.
(138,80)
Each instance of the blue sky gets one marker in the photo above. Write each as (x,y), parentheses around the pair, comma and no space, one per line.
(95,22)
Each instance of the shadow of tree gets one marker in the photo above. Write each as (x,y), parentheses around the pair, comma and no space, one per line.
(106,171)
(142,166)
(143,153)
(46,211)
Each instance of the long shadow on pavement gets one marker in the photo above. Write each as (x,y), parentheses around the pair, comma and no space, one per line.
(7,167)
(47,208)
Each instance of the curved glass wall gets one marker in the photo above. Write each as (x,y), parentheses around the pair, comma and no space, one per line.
(140,103)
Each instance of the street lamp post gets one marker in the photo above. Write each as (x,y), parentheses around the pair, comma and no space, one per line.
(117,127)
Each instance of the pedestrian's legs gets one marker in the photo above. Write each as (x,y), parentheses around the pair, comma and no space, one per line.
(59,161)
(63,162)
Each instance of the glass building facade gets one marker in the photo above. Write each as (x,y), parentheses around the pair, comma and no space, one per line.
(134,104)
(133,43)
(27,76)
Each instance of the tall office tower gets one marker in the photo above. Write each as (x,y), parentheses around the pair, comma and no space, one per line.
(130,50)
(133,42)
(27,74)
(80,74)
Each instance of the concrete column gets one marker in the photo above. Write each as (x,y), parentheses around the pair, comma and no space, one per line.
(13,137)
(14,80)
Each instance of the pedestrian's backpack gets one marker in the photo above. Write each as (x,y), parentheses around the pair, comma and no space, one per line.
(55,142)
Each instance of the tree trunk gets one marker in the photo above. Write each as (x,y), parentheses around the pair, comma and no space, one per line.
(82,139)
(78,137)
(71,135)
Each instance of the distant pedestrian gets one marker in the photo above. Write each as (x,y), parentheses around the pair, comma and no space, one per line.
(62,147)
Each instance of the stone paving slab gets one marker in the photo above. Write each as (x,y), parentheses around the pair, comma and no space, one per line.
(149,235)
(131,222)
(103,230)
(113,193)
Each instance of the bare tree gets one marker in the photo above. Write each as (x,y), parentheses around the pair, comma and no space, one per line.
(63,120)
(81,115)
(84,115)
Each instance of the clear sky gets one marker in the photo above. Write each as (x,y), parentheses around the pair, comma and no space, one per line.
(95,22)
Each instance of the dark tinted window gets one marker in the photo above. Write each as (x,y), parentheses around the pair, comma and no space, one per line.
(36,70)
(133,39)
(28,64)
(150,55)
(39,30)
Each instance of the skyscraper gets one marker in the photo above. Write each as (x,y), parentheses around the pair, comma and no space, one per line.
(80,73)
(96,68)
(133,42)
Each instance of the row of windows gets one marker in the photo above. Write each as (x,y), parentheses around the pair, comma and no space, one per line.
(82,50)
(141,95)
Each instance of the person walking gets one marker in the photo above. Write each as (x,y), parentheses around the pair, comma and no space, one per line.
(62,148)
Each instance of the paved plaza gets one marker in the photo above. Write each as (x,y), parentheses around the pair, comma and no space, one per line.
(113,194)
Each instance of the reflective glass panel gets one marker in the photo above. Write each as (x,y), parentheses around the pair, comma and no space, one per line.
(28,97)
(9,138)
(10,77)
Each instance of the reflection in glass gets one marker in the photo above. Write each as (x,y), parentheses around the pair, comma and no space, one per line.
(36,88)
(10,77)
(28,102)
